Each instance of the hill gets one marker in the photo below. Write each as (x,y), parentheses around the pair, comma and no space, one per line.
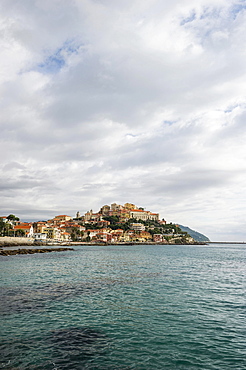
(194,234)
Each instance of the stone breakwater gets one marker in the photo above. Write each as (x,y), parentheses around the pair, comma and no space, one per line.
(32,251)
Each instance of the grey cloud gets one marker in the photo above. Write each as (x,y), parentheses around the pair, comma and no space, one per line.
(146,104)
(182,183)
(13,165)
(192,181)
(40,24)
(23,182)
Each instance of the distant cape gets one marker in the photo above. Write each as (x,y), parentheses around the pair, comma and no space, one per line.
(194,234)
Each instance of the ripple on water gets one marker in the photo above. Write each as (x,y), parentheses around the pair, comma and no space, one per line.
(77,346)
(63,347)
(17,300)
(138,308)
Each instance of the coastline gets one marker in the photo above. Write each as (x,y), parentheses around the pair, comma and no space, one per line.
(18,241)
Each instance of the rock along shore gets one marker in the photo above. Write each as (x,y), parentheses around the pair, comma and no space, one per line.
(7,252)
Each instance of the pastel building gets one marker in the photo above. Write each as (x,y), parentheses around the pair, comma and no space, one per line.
(26,227)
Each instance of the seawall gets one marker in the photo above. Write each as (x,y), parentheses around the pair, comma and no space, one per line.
(8,241)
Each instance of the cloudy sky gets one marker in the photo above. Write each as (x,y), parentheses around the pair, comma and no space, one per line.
(107,101)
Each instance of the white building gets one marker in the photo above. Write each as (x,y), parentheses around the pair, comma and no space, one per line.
(40,236)
(139,214)
(137,227)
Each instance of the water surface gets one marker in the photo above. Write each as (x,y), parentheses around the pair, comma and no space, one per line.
(125,307)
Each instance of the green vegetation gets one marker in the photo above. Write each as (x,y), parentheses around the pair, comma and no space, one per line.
(5,228)
(12,218)
(112,219)
(194,234)
(20,233)
(153,227)
(76,235)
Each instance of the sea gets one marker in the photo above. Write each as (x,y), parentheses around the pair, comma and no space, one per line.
(135,307)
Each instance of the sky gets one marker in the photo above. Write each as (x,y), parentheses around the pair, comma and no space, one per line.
(106,101)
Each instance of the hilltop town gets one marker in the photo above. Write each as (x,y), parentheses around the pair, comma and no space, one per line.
(110,225)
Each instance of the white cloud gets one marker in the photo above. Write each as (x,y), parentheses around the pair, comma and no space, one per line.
(121,101)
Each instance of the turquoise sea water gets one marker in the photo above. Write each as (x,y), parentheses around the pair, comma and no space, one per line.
(126,307)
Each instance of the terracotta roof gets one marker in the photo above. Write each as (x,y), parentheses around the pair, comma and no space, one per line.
(22,227)
(62,216)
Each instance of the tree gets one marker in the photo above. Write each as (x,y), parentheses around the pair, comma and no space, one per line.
(112,219)
(2,224)
(132,220)
(11,232)
(20,232)
(88,238)
(76,234)
(5,228)
(12,218)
